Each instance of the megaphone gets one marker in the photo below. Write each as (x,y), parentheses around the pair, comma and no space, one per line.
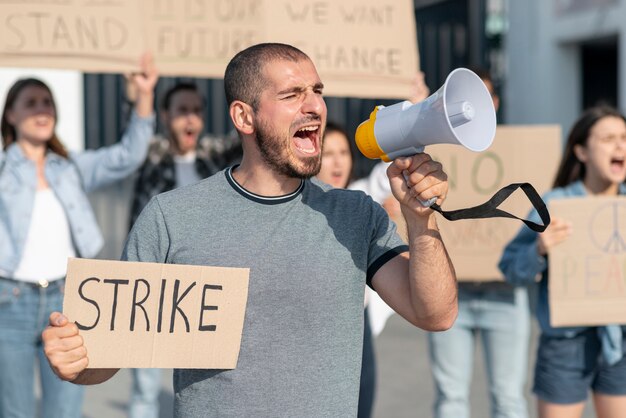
(460,112)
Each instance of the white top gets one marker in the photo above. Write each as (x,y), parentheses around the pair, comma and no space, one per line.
(185,169)
(48,242)
(376,184)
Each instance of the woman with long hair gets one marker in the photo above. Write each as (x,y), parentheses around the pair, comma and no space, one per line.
(573,360)
(45,218)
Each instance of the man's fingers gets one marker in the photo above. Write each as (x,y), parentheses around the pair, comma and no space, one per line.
(70,371)
(53,332)
(66,350)
(398,166)
(57,319)
(428,168)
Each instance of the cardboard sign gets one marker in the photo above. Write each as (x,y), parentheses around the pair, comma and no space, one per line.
(587,272)
(157,315)
(86,35)
(199,37)
(518,154)
(362,48)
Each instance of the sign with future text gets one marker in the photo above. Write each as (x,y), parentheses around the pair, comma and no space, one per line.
(362,48)
(587,271)
(519,154)
(157,315)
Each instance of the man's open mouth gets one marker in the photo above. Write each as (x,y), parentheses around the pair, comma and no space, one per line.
(306,139)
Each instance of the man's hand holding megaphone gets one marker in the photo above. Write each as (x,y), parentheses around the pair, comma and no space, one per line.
(415,179)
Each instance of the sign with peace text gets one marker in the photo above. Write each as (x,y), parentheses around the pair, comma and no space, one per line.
(362,48)
(587,271)
(157,315)
(518,154)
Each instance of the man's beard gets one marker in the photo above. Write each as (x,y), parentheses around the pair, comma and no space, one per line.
(276,152)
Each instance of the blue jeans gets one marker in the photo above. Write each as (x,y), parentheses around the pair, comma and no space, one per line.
(24,312)
(144,401)
(500,314)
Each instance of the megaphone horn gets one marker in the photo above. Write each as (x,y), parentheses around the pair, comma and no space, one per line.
(460,112)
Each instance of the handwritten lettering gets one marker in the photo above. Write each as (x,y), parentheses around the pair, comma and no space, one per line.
(568,270)
(358,59)
(201,42)
(224,11)
(591,276)
(56,32)
(140,303)
(205,307)
(481,163)
(91,302)
(368,15)
(474,237)
(237,10)
(141,294)
(485,176)
(316,12)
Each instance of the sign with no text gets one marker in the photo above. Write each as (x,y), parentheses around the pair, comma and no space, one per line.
(157,315)
(362,48)
(518,154)
(587,281)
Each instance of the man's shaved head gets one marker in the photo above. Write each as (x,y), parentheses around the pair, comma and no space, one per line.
(244,80)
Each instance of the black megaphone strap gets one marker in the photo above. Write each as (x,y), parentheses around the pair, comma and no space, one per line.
(490,209)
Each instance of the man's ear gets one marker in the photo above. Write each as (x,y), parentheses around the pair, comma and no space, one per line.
(242,116)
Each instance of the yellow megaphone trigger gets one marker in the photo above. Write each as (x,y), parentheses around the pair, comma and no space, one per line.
(366,139)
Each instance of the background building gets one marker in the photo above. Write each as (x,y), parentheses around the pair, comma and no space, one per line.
(563,56)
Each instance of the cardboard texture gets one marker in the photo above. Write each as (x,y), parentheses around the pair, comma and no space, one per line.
(587,272)
(84,35)
(362,48)
(518,154)
(157,315)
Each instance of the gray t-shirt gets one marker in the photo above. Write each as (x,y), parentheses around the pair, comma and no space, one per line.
(309,255)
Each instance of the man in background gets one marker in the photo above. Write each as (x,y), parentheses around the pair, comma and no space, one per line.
(179,157)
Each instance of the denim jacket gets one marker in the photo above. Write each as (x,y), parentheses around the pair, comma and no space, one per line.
(70,179)
(521,264)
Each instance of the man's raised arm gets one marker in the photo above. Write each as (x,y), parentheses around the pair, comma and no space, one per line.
(419,285)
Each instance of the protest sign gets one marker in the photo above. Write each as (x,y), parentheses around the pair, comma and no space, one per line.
(86,35)
(157,315)
(587,272)
(199,37)
(362,48)
(518,154)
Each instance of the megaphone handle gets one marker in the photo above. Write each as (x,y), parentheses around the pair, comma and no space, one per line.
(426,203)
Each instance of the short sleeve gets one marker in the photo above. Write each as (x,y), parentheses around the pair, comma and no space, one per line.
(385,243)
(148,240)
